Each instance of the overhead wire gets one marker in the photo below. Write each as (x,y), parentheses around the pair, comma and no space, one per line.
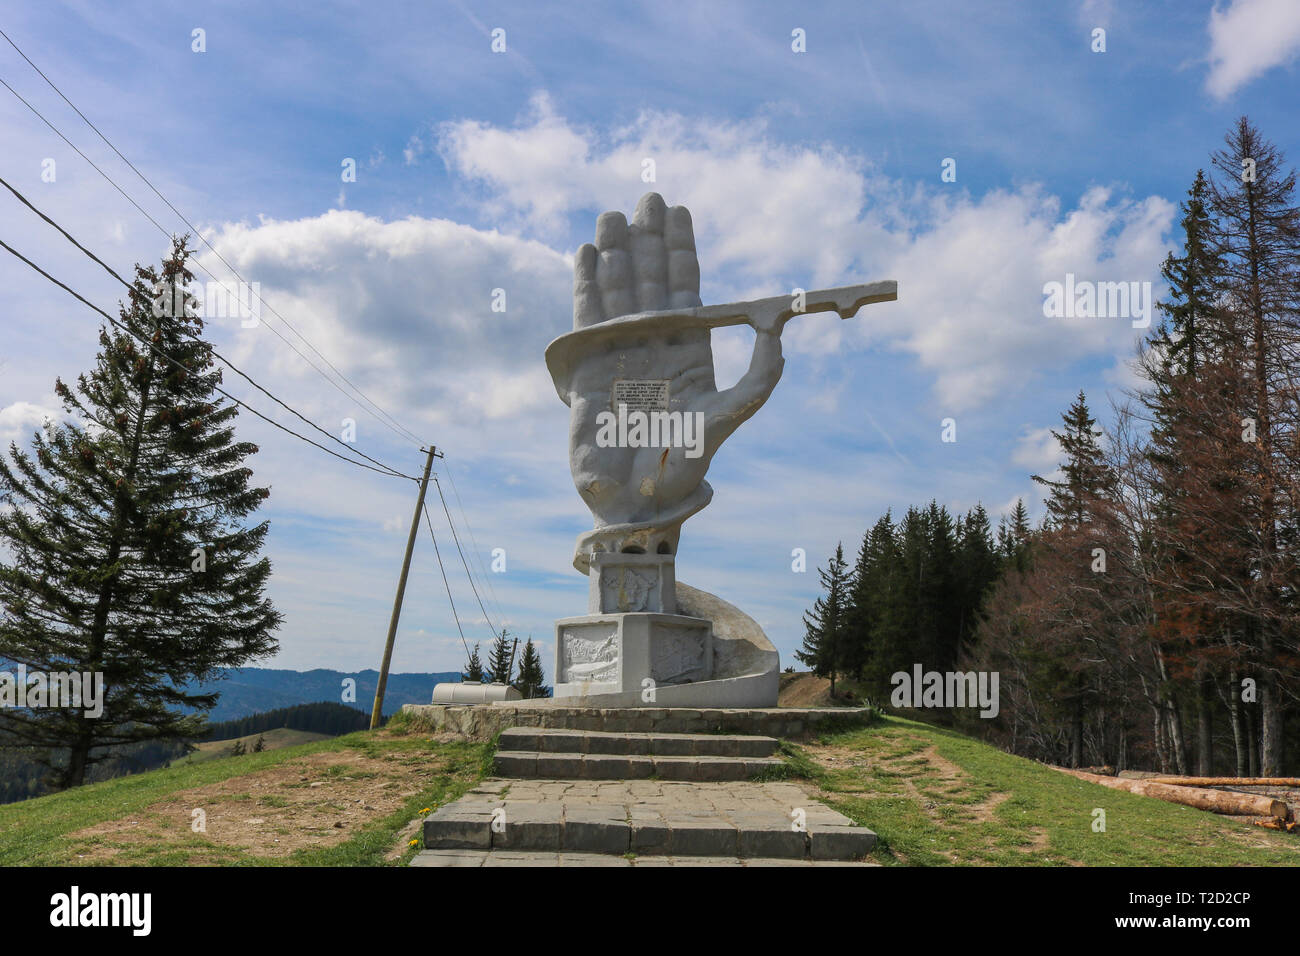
(129,331)
(454,537)
(131,288)
(390,423)
(446,584)
(486,576)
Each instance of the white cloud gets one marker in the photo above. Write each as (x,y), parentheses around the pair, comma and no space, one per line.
(1248,38)
(1037,451)
(769,216)
(19,420)
(404,309)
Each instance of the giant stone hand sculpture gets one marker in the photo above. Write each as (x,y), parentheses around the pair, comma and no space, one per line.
(640,344)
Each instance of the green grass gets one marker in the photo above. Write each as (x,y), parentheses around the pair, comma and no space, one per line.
(39,832)
(272,739)
(976,805)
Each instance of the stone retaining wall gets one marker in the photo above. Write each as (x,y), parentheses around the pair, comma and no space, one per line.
(481,722)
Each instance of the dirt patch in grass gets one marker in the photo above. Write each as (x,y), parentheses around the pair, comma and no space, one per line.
(911,767)
(804,690)
(318,800)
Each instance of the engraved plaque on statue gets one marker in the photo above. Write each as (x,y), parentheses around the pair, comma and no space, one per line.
(640,395)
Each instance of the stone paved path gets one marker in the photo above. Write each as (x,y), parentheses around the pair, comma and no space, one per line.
(638,822)
(442,858)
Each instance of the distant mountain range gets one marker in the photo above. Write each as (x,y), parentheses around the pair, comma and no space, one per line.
(252,690)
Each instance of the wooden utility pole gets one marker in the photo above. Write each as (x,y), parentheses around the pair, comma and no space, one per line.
(376,715)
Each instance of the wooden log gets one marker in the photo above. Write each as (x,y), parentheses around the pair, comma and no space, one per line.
(1291,783)
(1215,801)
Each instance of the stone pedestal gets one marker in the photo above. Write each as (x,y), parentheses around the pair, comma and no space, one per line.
(630,653)
(632,640)
(628,583)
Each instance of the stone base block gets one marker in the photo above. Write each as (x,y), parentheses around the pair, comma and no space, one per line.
(630,653)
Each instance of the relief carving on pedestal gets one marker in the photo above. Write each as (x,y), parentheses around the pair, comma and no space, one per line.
(589,653)
(625,589)
(677,655)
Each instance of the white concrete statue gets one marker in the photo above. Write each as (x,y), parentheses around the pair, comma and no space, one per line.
(646,418)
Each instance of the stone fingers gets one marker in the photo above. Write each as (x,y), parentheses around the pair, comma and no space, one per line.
(647,266)
(614,271)
(683,264)
(588,309)
(649,256)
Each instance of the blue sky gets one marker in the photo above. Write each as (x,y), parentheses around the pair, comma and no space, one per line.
(479,170)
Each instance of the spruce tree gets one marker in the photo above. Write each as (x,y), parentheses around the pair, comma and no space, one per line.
(1195,284)
(826,625)
(499,663)
(474,667)
(1085,478)
(977,570)
(874,616)
(532,678)
(126,547)
(1257,233)
(1014,537)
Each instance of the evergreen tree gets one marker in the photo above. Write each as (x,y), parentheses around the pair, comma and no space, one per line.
(978,567)
(260,745)
(500,665)
(1257,233)
(126,551)
(238,749)
(1014,537)
(532,678)
(876,620)
(826,624)
(1195,284)
(1071,501)
(474,668)
(1193,368)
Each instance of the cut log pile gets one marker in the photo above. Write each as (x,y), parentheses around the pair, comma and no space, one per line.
(1202,797)
(1289,782)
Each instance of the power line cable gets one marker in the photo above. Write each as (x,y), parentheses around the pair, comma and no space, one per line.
(10,249)
(391,422)
(487,578)
(486,617)
(131,288)
(445,583)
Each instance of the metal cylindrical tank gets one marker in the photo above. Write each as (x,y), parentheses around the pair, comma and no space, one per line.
(473,692)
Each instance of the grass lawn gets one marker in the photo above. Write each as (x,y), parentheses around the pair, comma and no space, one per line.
(271,740)
(345,801)
(938,798)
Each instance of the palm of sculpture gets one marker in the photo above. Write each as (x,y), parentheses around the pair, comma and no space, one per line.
(638,317)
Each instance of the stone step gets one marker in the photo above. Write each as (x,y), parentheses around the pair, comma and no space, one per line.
(677,828)
(491,858)
(588,766)
(547,740)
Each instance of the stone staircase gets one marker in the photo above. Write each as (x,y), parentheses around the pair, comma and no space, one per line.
(539,753)
(578,797)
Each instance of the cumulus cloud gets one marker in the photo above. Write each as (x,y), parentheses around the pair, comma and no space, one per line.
(19,420)
(771,216)
(1248,38)
(406,308)
(1037,451)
